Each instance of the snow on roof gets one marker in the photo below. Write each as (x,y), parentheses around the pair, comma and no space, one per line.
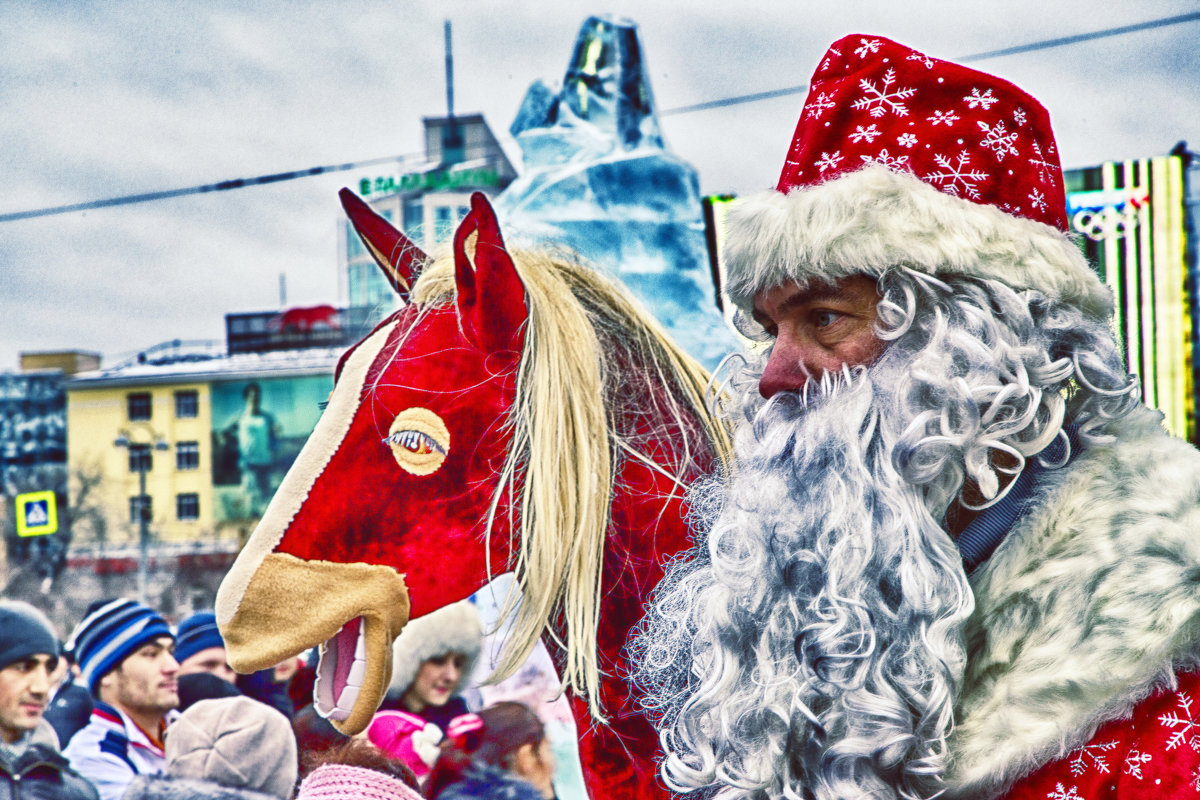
(201,368)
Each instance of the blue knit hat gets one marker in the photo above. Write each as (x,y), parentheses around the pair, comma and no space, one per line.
(112,630)
(24,632)
(197,632)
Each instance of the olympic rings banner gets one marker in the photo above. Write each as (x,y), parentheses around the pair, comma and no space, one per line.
(1132,219)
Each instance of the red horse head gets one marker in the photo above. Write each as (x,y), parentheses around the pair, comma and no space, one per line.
(518,416)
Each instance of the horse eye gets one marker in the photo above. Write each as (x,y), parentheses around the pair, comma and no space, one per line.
(419,441)
(415,442)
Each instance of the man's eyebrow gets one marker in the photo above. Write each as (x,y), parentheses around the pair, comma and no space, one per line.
(818,293)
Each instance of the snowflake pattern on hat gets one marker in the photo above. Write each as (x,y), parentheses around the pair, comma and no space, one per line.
(964,132)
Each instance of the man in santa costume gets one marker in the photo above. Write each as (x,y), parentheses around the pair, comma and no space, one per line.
(955,554)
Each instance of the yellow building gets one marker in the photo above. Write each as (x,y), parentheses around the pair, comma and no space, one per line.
(211,437)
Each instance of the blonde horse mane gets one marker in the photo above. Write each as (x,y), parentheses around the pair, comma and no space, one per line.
(586,345)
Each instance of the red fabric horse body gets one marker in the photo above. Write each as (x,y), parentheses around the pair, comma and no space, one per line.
(409,492)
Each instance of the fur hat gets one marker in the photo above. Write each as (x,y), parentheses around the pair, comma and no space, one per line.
(110,631)
(237,742)
(24,632)
(452,629)
(902,159)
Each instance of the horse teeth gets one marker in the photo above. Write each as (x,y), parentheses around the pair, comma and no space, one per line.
(360,647)
(357,672)
(345,703)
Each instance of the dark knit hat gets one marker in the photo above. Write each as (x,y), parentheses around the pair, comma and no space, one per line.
(111,630)
(24,632)
(197,632)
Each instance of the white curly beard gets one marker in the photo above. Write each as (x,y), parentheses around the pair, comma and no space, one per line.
(810,647)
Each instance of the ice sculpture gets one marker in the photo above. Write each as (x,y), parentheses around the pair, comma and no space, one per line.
(599,179)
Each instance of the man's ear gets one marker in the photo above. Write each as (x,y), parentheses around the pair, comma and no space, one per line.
(108,682)
(525,760)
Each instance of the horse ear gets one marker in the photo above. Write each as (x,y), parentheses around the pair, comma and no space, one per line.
(400,259)
(491,297)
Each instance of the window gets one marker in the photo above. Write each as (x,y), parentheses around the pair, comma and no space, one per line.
(414,217)
(139,405)
(141,506)
(187,455)
(187,506)
(443,223)
(354,245)
(140,458)
(187,404)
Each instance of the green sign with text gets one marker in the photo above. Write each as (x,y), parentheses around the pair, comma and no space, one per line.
(429,181)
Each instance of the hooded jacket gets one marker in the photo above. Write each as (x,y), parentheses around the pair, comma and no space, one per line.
(41,773)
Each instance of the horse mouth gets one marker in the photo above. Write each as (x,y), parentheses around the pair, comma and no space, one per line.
(340,672)
(353,611)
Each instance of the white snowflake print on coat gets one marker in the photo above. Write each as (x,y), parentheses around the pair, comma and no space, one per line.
(977,100)
(999,140)
(1184,721)
(1091,756)
(1196,780)
(879,100)
(1037,200)
(906,140)
(829,160)
(955,178)
(819,106)
(947,118)
(1062,793)
(1019,117)
(869,133)
(866,47)
(1134,762)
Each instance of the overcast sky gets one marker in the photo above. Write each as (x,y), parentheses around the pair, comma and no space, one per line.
(112,98)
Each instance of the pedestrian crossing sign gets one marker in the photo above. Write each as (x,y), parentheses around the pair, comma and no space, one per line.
(37,514)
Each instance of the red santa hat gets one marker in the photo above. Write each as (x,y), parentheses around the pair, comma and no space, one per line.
(902,159)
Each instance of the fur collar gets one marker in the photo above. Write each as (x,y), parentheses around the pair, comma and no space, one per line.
(1087,607)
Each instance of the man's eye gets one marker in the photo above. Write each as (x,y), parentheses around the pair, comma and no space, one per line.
(823,319)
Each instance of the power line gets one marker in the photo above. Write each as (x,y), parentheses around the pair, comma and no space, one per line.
(236,183)
(1007,51)
(239,183)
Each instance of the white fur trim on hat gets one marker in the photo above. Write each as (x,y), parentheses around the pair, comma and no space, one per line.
(866,221)
(452,629)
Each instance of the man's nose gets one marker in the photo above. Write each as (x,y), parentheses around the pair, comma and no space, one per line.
(39,683)
(786,370)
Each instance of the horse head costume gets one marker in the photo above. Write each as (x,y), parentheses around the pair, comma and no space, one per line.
(519,413)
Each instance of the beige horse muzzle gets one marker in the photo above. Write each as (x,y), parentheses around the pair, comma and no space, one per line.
(354,611)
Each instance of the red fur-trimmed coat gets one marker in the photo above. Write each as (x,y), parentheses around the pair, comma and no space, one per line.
(1082,679)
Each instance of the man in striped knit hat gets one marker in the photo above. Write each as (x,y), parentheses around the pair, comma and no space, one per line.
(125,653)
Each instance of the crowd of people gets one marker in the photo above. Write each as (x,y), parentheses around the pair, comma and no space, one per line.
(131,707)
